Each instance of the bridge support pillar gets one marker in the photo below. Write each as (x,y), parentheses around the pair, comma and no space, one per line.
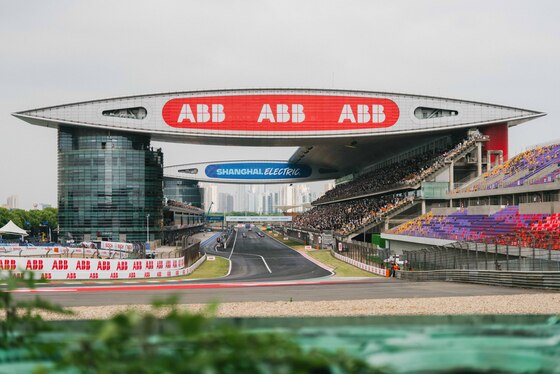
(451,176)
(478,159)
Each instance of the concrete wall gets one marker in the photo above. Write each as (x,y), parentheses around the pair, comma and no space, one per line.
(536,208)
(478,210)
(397,247)
(443,211)
(399,243)
(484,209)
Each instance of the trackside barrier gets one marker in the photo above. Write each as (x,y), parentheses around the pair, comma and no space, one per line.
(369,268)
(524,279)
(210,239)
(75,268)
(29,251)
(127,247)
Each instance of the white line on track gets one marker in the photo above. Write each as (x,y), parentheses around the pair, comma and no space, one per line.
(229,258)
(233,246)
(265,264)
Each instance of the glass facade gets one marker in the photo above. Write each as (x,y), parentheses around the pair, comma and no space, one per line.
(108,184)
(185,191)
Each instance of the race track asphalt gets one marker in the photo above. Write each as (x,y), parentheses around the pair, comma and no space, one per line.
(262,269)
(256,258)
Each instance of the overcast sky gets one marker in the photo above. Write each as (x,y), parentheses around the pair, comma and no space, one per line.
(503,52)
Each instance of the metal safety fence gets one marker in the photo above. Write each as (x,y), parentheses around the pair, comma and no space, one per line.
(362,252)
(482,256)
(191,254)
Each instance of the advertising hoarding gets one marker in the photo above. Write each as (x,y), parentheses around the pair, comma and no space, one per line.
(257,171)
(259,219)
(265,113)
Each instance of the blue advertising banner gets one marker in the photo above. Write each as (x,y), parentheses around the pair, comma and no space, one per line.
(215,218)
(257,170)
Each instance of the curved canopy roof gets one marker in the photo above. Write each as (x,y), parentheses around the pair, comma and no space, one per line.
(335,130)
(276,117)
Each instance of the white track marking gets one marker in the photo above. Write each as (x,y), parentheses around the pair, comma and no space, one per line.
(265,264)
(229,258)
(233,246)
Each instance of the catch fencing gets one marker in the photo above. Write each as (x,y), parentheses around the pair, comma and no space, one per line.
(364,253)
(482,256)
(315,238)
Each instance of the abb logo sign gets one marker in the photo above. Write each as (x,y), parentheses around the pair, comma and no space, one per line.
(281,113)
(34,265)
(7,264)
(60,265)
(77,268)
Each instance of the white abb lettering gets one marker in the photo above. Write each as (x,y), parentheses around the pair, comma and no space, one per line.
(202,113)
(282,113)
(364,116)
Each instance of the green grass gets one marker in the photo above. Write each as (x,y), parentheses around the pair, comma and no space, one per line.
(341,268)
(210,269)
(290,242)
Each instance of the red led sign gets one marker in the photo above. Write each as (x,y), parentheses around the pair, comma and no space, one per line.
(280,113)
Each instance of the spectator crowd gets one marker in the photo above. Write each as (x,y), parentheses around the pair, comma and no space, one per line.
(535,166)
(179,204)
(407,172)
(345,217)
(348,216)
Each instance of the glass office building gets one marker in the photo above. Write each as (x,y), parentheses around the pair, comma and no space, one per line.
(109,186)
(183,190)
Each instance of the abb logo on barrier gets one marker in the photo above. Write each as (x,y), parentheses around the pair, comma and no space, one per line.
(34,265)
(7,264)
(60,265)
(83,265)
(281,113)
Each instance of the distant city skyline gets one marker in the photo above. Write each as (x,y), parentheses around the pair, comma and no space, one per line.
(260,198)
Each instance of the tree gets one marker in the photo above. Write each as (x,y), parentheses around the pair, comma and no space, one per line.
(31,220)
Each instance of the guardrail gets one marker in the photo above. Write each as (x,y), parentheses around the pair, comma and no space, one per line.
(523,279)
(375,269)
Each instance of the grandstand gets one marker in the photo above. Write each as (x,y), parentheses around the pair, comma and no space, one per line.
(394,186)
(402,173)
(180,219)
(507,226)
(515,203)
(348,216)
(536,166)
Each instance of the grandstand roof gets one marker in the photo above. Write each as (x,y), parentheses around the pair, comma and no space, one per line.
(333,128)
(344,155)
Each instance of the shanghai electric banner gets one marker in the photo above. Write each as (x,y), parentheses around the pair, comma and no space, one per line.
(257,170)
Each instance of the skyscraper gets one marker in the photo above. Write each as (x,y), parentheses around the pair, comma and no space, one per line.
(225,202)
(12,202)
(211,197)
